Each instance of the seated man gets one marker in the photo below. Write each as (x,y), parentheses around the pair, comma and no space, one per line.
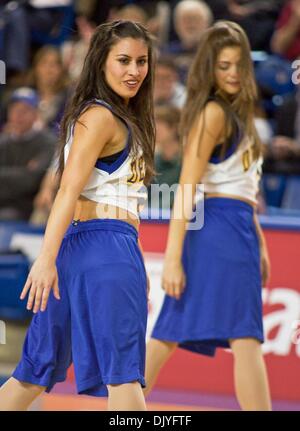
(191,18)
(25,153)
(282,158)
(283,154)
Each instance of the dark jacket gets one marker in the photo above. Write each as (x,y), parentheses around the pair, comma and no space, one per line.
(23,163)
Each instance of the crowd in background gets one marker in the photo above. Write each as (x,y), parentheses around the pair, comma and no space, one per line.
(43,45)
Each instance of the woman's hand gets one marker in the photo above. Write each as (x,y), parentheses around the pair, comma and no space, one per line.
(41,279)
(265,265)
(173,279)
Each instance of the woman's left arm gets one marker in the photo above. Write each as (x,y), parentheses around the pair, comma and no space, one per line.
(264,254)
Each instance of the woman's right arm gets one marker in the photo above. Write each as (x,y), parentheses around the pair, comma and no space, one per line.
(207,131)
(90,137)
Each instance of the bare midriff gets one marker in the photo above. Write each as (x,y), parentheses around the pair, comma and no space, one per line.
(88,210)
(222,195)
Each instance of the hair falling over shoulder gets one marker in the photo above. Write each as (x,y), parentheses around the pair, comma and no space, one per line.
(201,83)
(138,114)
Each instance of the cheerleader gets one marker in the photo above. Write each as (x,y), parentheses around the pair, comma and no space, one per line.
(88,287)
(213,276)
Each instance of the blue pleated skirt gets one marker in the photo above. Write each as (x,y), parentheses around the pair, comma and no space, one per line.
(222,299)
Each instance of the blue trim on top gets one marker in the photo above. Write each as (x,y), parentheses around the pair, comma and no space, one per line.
(217,159)
(236,140)
(112,167)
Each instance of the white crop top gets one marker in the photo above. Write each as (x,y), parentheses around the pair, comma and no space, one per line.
(119,183)
(238,174)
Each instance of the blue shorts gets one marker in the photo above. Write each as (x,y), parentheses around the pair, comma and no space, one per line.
(99,323)
(222,299)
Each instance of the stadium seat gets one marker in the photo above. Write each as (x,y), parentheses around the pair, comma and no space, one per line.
(274,78)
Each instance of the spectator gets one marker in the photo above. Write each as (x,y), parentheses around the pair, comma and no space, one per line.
(51,81)
(283,155)
(25,153)
(167,87)
(258,18)
(191,18)
(286,38)
(168,156)
(281,180)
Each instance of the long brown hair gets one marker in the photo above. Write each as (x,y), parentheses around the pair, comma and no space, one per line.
(201,83)
(138,114)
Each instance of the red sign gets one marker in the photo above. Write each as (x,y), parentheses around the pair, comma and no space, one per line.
(281,300)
